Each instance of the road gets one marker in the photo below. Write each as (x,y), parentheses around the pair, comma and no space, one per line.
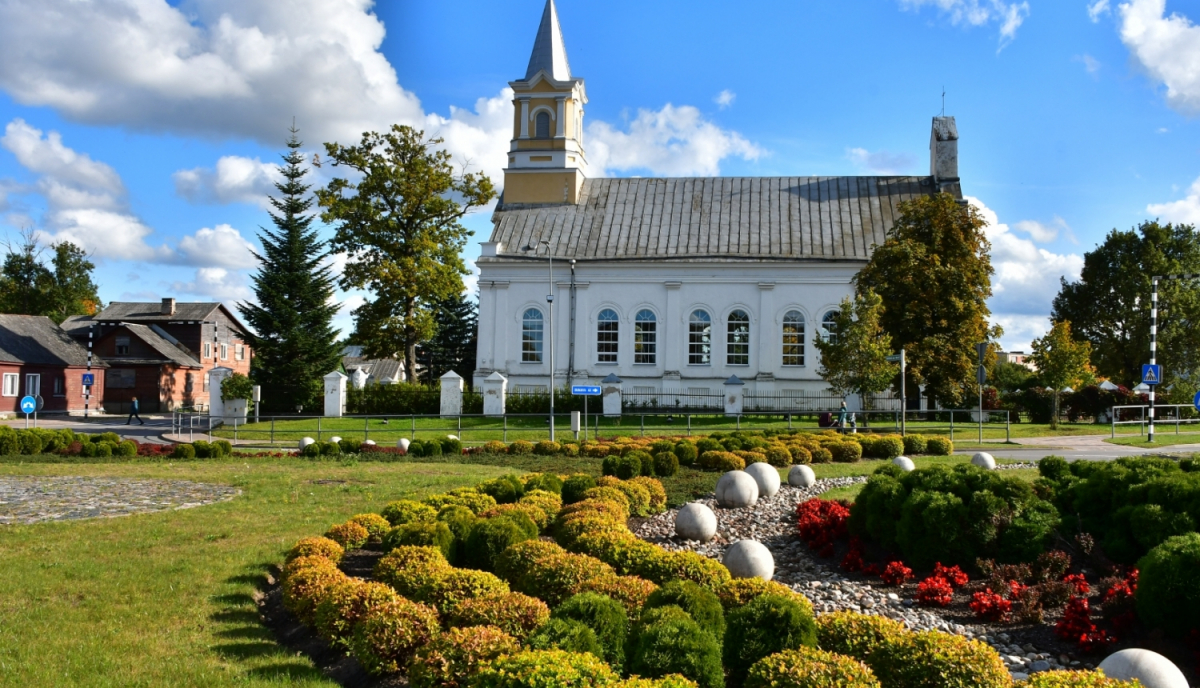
(152,431)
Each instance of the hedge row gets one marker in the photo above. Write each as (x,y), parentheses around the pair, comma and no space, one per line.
(65,442)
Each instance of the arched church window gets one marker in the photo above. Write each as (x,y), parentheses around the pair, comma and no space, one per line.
(699,338)
(607,330)
(645,338)
(829,326)
(737,342)
(542,125)
(793,338)
(531,336)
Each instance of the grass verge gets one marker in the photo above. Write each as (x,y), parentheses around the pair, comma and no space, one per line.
(1162,438)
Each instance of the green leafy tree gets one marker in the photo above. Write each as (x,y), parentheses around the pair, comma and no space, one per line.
(855,361)
(1061,361)
(457,338)
(24,281)
(70,290)
(60,290)
(400,227)
(934,275)
(1109,306)
(292,334)
(1011,377)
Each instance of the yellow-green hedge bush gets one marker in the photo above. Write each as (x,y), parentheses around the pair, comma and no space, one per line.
(410,570)
(545,669)
(453,658)
(344,603)
(404,511)
(316,547)
(1075,679)
(387,636)
(516,614)
(931,659)
(447,591)
(303,588)
(856,635)
(809,668)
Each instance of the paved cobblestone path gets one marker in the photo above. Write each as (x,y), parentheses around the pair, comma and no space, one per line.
(37,499)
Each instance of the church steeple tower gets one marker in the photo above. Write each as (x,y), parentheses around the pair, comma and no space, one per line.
(546,161)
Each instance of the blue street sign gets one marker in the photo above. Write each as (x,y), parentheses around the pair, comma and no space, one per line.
(28,405)
(1196,401)
(89,379)
(585,390)
(1151,374)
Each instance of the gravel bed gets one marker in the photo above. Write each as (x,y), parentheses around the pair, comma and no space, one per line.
(772,522)
(28,500)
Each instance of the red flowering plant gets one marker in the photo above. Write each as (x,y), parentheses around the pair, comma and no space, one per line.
(896,573)
(853,561)
(953,574)
(988,605)
(934,591)
(821,523)
(1117,601)
(1079,583)
(1077,626)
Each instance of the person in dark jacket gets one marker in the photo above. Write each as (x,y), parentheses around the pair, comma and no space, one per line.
(133,413)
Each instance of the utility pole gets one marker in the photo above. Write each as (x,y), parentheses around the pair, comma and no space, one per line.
(1154,336)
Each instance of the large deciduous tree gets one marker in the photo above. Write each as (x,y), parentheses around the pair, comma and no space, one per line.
(854,358)
(292,334)
(399,224)
(71,290)
(58,290)
(1109,306)
(934,275)
(1061,361)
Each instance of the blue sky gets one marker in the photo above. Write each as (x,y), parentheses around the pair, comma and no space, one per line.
(147,130)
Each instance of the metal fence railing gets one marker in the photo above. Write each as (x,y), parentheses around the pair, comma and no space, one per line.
(1164,414)
(672,401)
(812,402)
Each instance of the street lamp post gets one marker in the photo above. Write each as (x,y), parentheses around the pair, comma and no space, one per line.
(550,302)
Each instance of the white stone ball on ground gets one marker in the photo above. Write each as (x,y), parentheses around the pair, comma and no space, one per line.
(984,460)
(368,443)
(749,559)
(737,490)
(402,443)
(767,477)
(335,439)
(1151,668)
(696,521)
(801,476)
(906,464)
(304,442)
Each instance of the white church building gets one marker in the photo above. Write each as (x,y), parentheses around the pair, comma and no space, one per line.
(674,286)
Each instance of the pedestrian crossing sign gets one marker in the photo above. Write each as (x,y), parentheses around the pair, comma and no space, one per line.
(1151,374)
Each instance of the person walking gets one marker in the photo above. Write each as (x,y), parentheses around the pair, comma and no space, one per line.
(133,413)
(841,421)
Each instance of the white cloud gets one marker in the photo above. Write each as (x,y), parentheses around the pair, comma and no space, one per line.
(215,283)
(881,162)
(1185,211)
(673,141)
(48,156)
(1043,233)
(1097,9)
(220,246)
(1091,64)
(725,98)
(1010,15)
(1168,48)
(234,179)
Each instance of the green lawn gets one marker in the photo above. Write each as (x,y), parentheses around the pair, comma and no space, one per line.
(1164,436)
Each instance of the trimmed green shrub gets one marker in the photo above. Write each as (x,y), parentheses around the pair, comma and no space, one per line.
(668,641)
(181,451)
(31,443)
(127,449)
(846,452)
(404,511)
(766,625)
(707,444)
(1168,591)
(349,535)
(422,534)
(467,497)
(330,448)
(505,490)
(544,669)
(574,487)
(224,448)
(547,482)
(451,659)
(312,450)
(856,635)
(915,445)
(722,461)
(809,668)
(933,658)
(645,460)
(388,635)
(491,536)
(105,448)
(344,603)
(800,454)
(821,455)
(687,453)
(623,467)
(304,586)
(666,464)
(1075,679)
(451,446)
(701,604)
(605,616)
(204,449)
(315,547)
(447,591)
(410,570)
(738,592)
(567,635)
(939,446)
(520,447)
(516,614)
(547,448)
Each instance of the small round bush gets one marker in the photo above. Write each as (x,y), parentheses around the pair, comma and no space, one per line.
(915,445)
(451,446)
(410,570)
(933,658)
(495,447)
(455,656)
(432,534)
(609,494)
(547,448)
(224,448)
(574,487)
(547,482)
(181,451)
(404,511)
(658,494)
(631,591)
(505,490)
(388,635)
(856,635)
(548,503)
(545,669)
(344,603)
(939,446)
(491,536)
(525,515)
(204,449)
(766,625)
(310,451)
(668,641)
(105,448)
(446,592)
(667,566)
(568,635)
(638,496)
(890,447)
(846,452)
(127,449)
(1054,468)
(31,443)
(809,668)
(701,604)
(304,586)
(623,467)
(645,459)
(467,497)
(316,547)
(520,447)
(376,525)
(779,456)
(707,444)
(329,448)
(605,616)
(556,578)
(822,455)
(800,454)
(1168,592)
(516,614)
(349,535)
(672,681)
(1074,679)
(686,451)
(722,461)
(350,446)
(666,464)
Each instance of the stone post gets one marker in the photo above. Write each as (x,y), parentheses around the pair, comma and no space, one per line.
(452,395)
(495,392)
(358,378)
(335,394)
(734,395)
(216,402)
(610,392)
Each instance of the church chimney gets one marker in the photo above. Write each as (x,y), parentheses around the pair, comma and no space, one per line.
(168,307)
(943,155)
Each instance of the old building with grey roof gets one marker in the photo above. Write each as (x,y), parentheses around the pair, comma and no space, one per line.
(674,286)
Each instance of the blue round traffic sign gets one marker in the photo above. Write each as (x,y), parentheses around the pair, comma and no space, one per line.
(28,404)
(1196,401)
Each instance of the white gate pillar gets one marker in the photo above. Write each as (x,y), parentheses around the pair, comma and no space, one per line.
(610,390)
(335,394)
(495,391)
(735,391)
(216,402)
(452,394)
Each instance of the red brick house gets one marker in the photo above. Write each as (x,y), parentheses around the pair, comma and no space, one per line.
(162,352)
(38,357)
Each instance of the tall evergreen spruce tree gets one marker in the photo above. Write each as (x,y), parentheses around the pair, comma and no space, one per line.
(293,338)
(457,338)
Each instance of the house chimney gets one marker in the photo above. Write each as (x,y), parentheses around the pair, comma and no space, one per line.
(943,150)
(168,307)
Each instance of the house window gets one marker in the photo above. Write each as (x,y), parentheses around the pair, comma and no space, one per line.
(829,326)
(542,125)
(531,336)
(239,352)
(60,386)
(188,383)
(122,346)
(700,338)
(793,338)
(645,338)
(204,382)
(737,341)
(607,330)
(12,382)
(207,350)
(33,385)
(224,352)
(120,378)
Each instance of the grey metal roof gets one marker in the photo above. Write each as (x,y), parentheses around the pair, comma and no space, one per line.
(549,51)
(376,368)
(162,343)
(131,311)
(77,325)
(35,339)
(832,218)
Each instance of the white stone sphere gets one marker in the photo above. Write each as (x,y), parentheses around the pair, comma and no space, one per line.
(906,464)
(453,437)
(984,460)
(335,439)
(696,521)
(402,443)
(801,476)
(304,442)
(767,477)
(749,559)
(737,490)
(368,443)
(1151,668)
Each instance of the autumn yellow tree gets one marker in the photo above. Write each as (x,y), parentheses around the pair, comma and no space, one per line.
(1061,360)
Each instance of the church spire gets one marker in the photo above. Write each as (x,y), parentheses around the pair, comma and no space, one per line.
(549,51)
